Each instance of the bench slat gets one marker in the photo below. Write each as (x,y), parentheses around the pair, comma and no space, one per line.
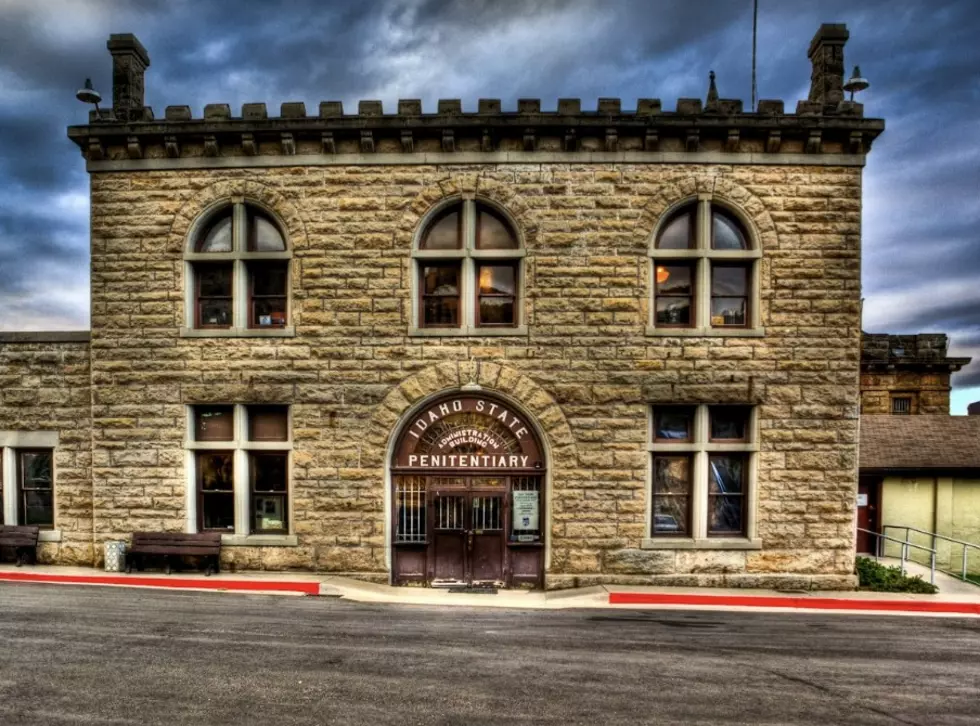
(174,550)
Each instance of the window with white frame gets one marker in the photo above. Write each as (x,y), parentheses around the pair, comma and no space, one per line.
(702,469)
(468,271)
(705,272)
(237,272)
(238,461)
(27,486)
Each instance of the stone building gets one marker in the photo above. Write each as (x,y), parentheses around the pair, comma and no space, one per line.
(533,347)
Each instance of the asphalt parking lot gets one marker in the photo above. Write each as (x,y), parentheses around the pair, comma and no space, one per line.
(89,655)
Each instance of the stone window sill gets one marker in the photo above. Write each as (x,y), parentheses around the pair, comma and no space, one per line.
(49,535)
(467,332)
(715,543)
(287,332)
(705,332)
(259,540)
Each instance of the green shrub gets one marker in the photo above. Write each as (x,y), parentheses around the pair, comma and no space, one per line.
(880,578)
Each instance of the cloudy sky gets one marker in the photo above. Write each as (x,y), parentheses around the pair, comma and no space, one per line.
(922,182)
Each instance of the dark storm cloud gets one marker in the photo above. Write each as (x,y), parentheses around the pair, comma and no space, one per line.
(921,246)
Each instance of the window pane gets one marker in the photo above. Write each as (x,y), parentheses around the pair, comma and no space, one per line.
(218,511)
(444,234)
(214,423)
(728,310)
(268,278)
(493,233)
(670,515)
(725,515)
(671,474)
(269,312)
(269,513)
(441,280)
(729,281)
(214,280)
(673,279)
(441,311)
(729,423)
(216,312)
(39,508)
(673,424)
(217,238)
(215,471)
(36,468)
(269,472)
(496,311)
(725,234)
(265,236)
(676,235)
(497,279)
(673,311)
(268,423)
(726,474)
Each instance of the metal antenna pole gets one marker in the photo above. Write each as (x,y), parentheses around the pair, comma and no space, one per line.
(755,24)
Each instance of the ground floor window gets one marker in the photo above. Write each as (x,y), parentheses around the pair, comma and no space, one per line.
(27,486)
(240,456)
(701,470)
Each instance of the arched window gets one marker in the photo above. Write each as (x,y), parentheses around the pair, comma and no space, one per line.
(705,274)
(468,264)
(237,265)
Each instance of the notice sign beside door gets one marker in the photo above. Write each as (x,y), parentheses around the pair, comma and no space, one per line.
(862,500)
(525,512)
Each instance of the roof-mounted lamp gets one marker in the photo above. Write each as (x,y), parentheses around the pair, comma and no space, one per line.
(87,94)
(856,84)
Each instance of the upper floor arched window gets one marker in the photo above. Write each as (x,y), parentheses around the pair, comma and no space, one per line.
(468,271)
(705,272)
(237,265)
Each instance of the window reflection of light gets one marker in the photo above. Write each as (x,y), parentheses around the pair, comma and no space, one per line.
(662,274)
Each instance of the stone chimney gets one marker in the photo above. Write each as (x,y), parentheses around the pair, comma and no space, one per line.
(129,61)
(973,409)
(827,56)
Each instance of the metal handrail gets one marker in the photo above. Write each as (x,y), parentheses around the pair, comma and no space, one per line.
(935,536)
(905,550)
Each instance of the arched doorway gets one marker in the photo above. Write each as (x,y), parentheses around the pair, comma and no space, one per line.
(468,477)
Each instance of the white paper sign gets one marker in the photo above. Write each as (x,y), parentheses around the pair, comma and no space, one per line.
(525,510)
(862,500)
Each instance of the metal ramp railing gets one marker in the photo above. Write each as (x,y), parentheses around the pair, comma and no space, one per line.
(967,546)
(880,536)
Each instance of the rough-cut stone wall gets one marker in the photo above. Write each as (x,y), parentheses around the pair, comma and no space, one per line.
(44,386)
(585,369)
(929,391)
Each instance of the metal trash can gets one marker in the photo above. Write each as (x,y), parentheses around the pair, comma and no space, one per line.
(115,556)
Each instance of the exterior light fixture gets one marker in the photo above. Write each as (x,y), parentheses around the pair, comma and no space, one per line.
(87,94)
(856,84)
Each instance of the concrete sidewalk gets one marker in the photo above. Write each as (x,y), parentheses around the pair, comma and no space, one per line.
(617,597)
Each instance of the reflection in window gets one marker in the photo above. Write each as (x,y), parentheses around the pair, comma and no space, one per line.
(445,233)
(269,283)
(725,233)
(440,295)
(678,234)
(729,423)
(214,295)
(269,492)
(726,494)
(216,490)
(673,423)
(671,495)
(36,489)
(493,233)
(674,295)
(729,295)
(497,294)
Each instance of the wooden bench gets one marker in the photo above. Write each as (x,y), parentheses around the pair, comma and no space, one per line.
(173,545)
(23,540)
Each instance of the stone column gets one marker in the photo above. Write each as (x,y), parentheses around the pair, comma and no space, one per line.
(129,62)
(827,56)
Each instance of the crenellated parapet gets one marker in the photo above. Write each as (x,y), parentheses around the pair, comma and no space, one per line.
(823,124)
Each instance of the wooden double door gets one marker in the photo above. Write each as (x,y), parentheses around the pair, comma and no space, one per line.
(468,537)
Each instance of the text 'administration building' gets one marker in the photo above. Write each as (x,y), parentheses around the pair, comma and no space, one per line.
(536,348)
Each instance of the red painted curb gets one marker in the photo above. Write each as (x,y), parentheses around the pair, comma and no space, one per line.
(802,603)
(216,583)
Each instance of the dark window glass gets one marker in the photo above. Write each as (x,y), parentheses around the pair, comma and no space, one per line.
(497,294)
(217,235)
(678,233)
(440,295)
(729,295)
(263,234)
(673,423)
(213,295)
(268,283)
(674,295)
(445,233)
(729,423)
(492,232)
(727,474)
(726,234)
(671,495)
(269,492)
(1,487)
(268,423)
(902,405)
(216,490)
(36,489)
(214,423)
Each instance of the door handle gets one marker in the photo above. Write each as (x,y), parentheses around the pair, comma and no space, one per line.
(469,540)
